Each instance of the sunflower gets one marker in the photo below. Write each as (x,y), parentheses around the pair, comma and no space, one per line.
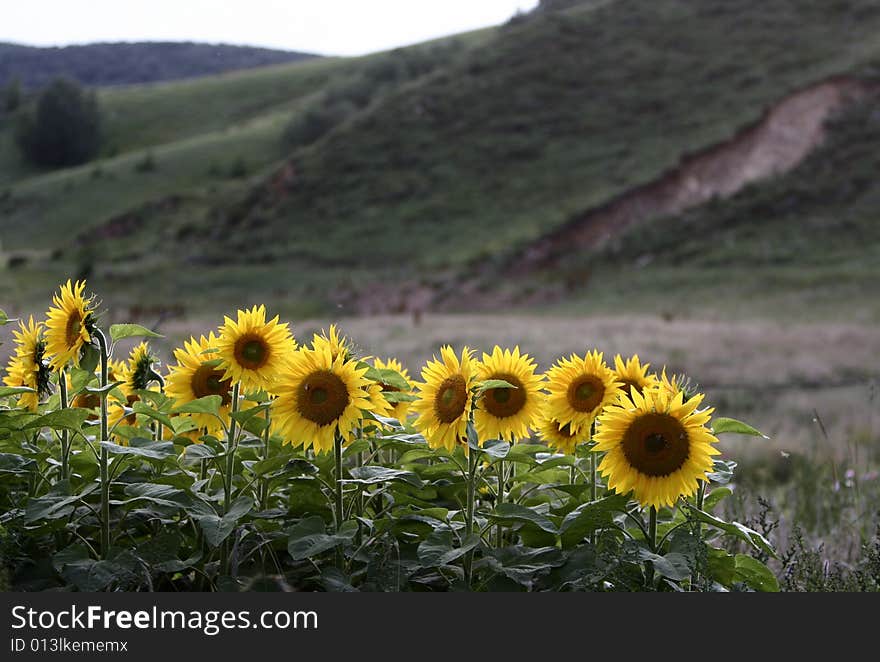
(254,352)
(398,410)
(444,404)
(656,446)
(27,367)
(335,343)
(631,373)
(507,412)
(563,437)
(579,389)
(138,373)
(69,324)
(319,396)
(196,375)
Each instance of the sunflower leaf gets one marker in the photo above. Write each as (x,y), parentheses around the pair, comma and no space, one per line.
(491,384)
(120,331)
(146,410)
(736,529)
(6,391)
(71,418)
(721,424)
(102,389)
(506,513)
(4,318)
(210,404)
(154,450)
(753,573)
(386,377)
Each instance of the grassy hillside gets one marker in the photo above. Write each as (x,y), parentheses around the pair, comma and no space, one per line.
(503,139)
(130,63)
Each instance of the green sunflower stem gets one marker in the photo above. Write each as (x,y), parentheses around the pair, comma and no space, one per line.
(65,435)
(264,481)
(226,547)
(337,453)
(499,542)
(105,457)
(469,513)
(701,495)
(594,486)
(652,541)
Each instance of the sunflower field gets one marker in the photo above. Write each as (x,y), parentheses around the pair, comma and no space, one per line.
(260,462)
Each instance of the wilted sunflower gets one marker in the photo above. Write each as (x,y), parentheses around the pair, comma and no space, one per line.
(656,446)
(69,325)
(579,389)
(633,374)
(317,397)
(335,343)
(196,375)
(398,410)
(27,367)
(254,352)
(444,405)
(564,438)
(505,413)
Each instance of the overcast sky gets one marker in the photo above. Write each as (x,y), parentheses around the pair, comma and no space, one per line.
(332,27)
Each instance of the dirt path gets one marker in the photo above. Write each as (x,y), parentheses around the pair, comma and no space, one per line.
(780,140)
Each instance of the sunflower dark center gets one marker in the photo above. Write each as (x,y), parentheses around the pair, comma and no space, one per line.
(73,329)
(209,381)
(629,384)
(251,352)
(504,402)
(656,444)
(451,399)
(586,393)
(322,397)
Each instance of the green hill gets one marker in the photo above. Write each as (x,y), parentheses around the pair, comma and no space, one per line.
(130,63)
(454,169)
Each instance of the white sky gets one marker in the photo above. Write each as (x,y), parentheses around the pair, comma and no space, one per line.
(332,27)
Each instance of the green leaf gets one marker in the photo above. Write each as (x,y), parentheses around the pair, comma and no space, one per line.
(438,550)
(385,376)
(245,415)
(399,396)
(755,574)
(722,471)
(80,378)
(4,318)
(54,506)
(496,449)
(210,404)
(491,384)
(506,513)
(98,390)
(589,517)
(309,537)
(714,498)
(736,529)
(721,566)
(15,464)
(370,475)
(154,450)
(722,424)
(6,391)
(673,565)
(64,419)
(217,529)
(148,411)
(120,331)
